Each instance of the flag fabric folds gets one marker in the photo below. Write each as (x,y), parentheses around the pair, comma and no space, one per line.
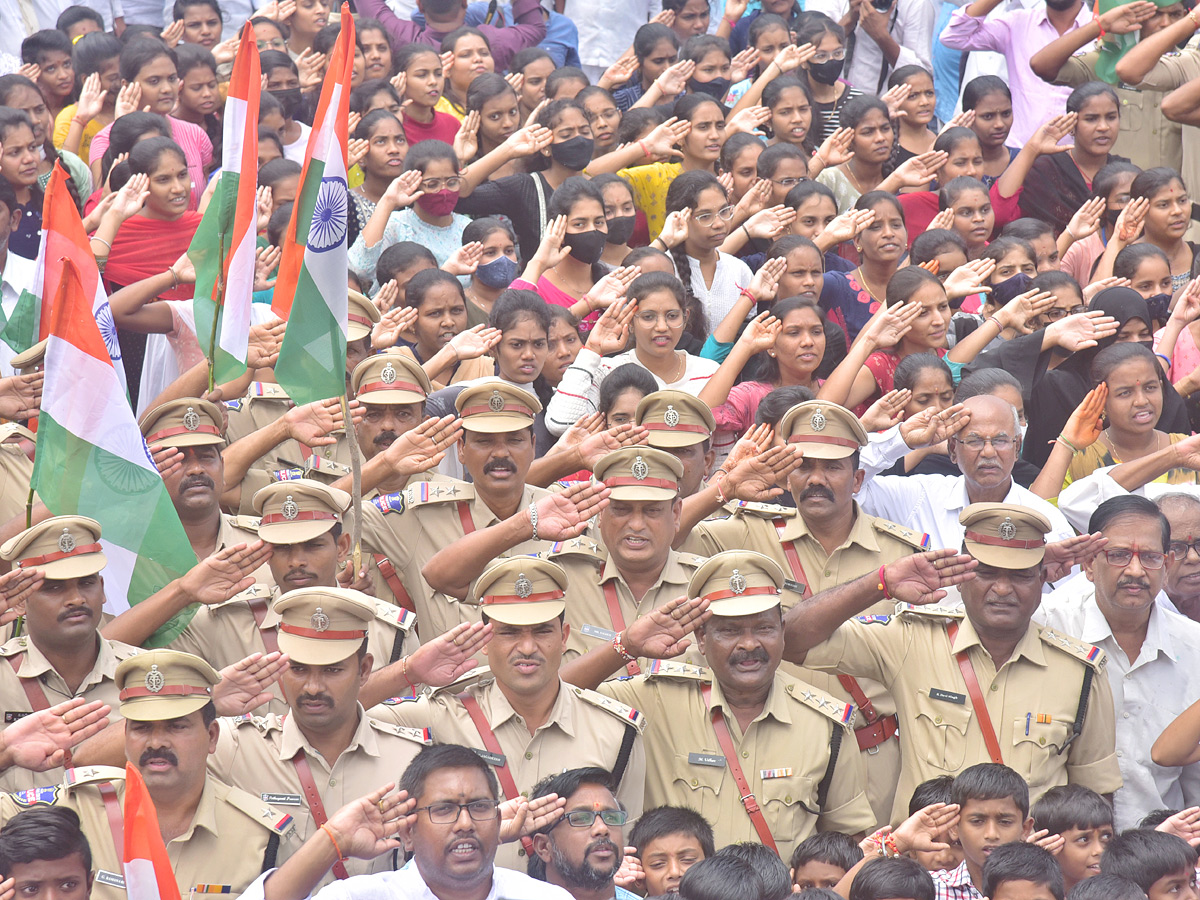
(311,291)
(147,868)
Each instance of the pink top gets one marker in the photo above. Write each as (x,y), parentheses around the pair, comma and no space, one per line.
(552,294)
(197,151)
(1186,357)
(1081,256)
(444,128)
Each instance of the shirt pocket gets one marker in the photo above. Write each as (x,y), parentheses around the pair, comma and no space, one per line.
(700,786)
(1036,755)
(940,732)
(790,805)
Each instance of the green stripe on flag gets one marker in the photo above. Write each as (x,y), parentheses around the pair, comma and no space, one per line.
(312,360)
(205,254)
(21,330)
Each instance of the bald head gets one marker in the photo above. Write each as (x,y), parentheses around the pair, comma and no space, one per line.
(990,405)
(987,449)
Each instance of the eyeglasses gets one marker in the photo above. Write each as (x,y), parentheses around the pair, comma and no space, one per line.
(726,213)
(272,44)
(1055,313)
(823,57)
(1150,559)
(1179,549)
(430,185)
(1000,443)
(448,813)
(583,818)
(788,182)
(671,317)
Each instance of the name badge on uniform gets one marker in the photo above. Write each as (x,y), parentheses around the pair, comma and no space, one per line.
(212,889)
(790,584)
(764,774)
(492,759)
(948,696)
(282,799)
(112,879)
(597,632)
(13,716)
(707,759)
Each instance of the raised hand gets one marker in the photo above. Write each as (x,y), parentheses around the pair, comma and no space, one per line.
(173,34)
(129,99)
(894,98)
(756,440)
(226,51)
(1087,219)
(356,150)
(475,342)
(919,170)
(420,449)
(890,323)
(970,279)
(464,260)
(244,685)
(21,395)
(515,80)
(1082,330)
(593,447)
(391,325)
(352,120)
(1046,139)
(631,875)
(227,572)
(619,72)
(1062,556)
(964,119)
(550,251)
(168,460)
(849,224)
(91,98)
(674,80)
(387,296)
(759,478)
(675,227)
(760,333)
(466,142)
(1127,18)
(399,81)
(521,817)
(1022,310)
(1090,292)
(449,656)
(312,69)
(1184,824)
(930,426)
(371,826)
(565,515)
(264,205)
(530,140)
(748,119)
(32,71)
(923,829)
(886,411)
(1187,306)
(835,150)
(662,140)
(262,348)
(610,333)
(769,224)
(735,9)
(662,633)
(1131,220)
(609,289)
(742,63)
(943,220)
(40,740)
(16,587)
(1051,843)
(920,579)
(404,190)
(790,57)
(1085,424)
(266,259)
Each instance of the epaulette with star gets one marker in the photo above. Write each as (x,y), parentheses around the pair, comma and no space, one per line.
(422,736)
(264,814)
(915,539)
(761,510)
(582,547)
(665,668)
(395,616)
(929,611)
(615,708)
(266,390)
(478,675)
(826,704)
(1081,650)
(257,591)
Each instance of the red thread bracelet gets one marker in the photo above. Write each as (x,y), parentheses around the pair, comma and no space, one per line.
(883,584)
(645,149)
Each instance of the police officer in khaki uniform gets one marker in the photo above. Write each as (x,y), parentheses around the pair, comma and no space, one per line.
(16,468)
(302,522)
(507,713)
(219,838)
(743,728)
(825,540)
(683,426)
(410,526)
(61,654)
(325,752)
(977,684)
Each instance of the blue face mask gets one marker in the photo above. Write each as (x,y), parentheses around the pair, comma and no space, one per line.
(498,273)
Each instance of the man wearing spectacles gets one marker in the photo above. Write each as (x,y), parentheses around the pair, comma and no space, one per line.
(1153,653)
(582,851)
(1182,582)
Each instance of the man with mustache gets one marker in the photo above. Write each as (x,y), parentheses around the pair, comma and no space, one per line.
(826,540)
(520,716)
(1153,653)
(410,526)
(218,838)
(978,683)
(758,753)
(582,851)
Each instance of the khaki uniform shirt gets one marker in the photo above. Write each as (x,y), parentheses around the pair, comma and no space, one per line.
(16,470)
(784,755)
(232,837)
(410,526)
(872,542)
(584,729)
(1032,700)
(589,568)
(255,753)
(227,632)
(98,684)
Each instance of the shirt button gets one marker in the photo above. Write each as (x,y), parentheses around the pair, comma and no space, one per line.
(995,687)
(695,783)
(528,754)
(787,799)
(1042,741)
(332,782)
(1120,754)
(938,720)
(827,573)
(1125,715)
(745,754)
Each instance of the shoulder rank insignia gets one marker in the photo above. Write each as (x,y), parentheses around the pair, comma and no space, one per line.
(762,510)
(1081,650)
(396,616)
(264,814)
(691,559)
(422,736)
(576,546)
(478,675)
(929,611)
(322,466)
(826,704)
(915,539)
(665,668)
(438,492)
(249,523)
(613,707)
(266,390)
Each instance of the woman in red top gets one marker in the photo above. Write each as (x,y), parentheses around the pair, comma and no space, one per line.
(423,85)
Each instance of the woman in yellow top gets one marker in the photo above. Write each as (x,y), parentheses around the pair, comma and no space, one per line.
(97,62)
(466,55)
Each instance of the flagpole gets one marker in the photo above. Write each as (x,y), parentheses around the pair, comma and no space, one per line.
(356,490)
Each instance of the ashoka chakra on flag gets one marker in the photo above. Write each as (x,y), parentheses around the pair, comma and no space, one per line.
(329,216)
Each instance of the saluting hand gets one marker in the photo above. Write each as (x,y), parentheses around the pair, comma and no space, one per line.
(919,579)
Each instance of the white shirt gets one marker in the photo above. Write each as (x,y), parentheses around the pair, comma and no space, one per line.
(18,274)
(1079,499)
(234,14)
(932,503)
(911,24)
(606,27)
(408,884)
(730,277)
(1148,694)
(295,150)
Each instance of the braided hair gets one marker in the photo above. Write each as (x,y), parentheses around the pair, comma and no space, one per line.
(684,193)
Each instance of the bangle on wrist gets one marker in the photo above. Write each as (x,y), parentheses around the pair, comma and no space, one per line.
(745,292)
(174,276)
(618,644)
(329,833)
(882,586)
(732,22)
(999,327)
(1070,233)
(1062,440)
(105,243)
(1165,359)
(746,231)
(645,149)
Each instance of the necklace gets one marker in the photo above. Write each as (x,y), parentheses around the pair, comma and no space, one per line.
(849,170)
(863,277)
(680,366)
(1118,455)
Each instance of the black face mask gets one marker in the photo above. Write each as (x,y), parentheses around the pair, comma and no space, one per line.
(1003,292)
(574,154)
(290,100)
(586,246)
(717,88)
(620,229)
(1159,306)
(826,72)
(1110,216)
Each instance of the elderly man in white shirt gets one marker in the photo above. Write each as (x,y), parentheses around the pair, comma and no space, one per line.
(985,449)
(881,40)
(1153,653)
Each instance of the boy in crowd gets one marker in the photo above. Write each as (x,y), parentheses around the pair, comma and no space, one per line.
(1022,871)
(669,841)
(822,860)
(892,879)
(936,790)
(1084,820)
(1161,864)
(766,862)
(43,849)
(720,878)
(1106,887)
(993,803)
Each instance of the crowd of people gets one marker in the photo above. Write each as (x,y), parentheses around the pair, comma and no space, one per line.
(768,460)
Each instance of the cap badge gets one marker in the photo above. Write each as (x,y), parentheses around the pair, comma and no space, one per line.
(524,586)
(640,469)
(154,680)
(817,421)
(289,510)
(388,375)
(671,417)
(1008,530)
(191,420)
(319,621)
(737,582)
(66,543)
(496,403)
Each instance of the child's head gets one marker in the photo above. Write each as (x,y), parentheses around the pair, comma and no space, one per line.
(424,79)
(768,865)
(768,34)
(603,115)
(739,158)
(534,65)
(974,217)
(719,878)
(1106,887)
(1147,268)
(821,860)
(656,48)
(1161,864)
(993,803)
(932,385)
(1021,871)
(201,21)
(198,89)
(99,54)
(1013,256)
(1084,819)
(669,839)
(918,107)
(713,61)
(400,262)
(792,113)
(964,151)
(815,208)
(991,100)
(892,879)
(935,790)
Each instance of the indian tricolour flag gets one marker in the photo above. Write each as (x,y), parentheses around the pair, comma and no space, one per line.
(91,459)
(223,247)
(62,238)
(310,290)
(148,872)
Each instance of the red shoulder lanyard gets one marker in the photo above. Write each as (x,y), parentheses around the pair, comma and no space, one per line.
(981,711)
